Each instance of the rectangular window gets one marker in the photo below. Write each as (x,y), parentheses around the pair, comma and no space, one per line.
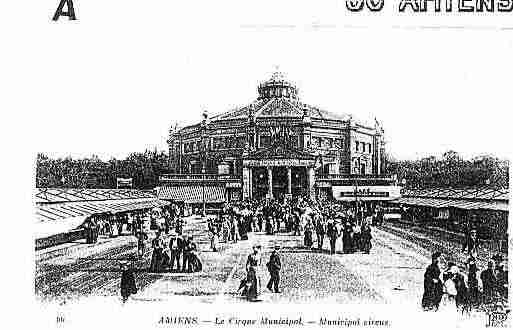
(294,141)
(241,141)
(357,145)
(265,141)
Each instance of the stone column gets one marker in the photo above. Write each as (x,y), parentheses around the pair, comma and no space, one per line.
(311,182)
(250,183)
(289,180)
(270,181)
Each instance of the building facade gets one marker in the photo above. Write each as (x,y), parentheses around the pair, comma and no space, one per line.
(276,146)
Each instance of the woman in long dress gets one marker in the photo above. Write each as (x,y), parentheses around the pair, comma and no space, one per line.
(156,258)
(196,264)
(252,283)
(308,234)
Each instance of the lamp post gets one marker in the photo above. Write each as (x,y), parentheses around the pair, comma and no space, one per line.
(203,188)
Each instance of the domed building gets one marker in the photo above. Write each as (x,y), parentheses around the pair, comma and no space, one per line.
(274,147)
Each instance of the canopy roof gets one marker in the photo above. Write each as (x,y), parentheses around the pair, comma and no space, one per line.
(192,194)
(474,198)
(67,205)
(56,195)
(473,193)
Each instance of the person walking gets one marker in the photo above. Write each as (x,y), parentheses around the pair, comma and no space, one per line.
(128,286)
(213,234)
(274,267)
(176,245)
(471,244)
(366,238)
(474,295)
(141,245)
(156,258)
(347,239)
(320,230)
(187,248)
(502,276)
(489,279)
(194,260)
(308,231)
(433,287)
(252,283)
(332,233)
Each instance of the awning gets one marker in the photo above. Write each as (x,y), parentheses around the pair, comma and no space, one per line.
(193,194)
(460,204)
(56,211)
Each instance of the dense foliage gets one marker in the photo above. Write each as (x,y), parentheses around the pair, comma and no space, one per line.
(92,172)
(451,170)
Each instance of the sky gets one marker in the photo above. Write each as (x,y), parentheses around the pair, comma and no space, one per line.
(114,81)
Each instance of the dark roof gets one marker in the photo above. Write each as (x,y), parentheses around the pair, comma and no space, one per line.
(280,107)
(280,152)
(473,198)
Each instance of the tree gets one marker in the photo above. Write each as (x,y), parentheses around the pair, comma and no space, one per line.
(145,168)
(451,170)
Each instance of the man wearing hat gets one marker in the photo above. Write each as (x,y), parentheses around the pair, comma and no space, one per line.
(489,280)
(332,234)
(274,267)
(471,243)
(433,287)
(176,245)
(502,275)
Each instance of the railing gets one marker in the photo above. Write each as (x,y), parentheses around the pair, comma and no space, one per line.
(198,177)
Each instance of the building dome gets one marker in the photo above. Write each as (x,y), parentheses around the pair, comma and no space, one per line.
(276,87)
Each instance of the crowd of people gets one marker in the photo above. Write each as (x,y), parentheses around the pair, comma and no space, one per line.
(320,223)
(314,220)
(453,288)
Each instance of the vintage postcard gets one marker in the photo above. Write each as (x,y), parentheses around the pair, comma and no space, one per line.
(266,164)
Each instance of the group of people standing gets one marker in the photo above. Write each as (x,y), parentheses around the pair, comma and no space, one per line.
(299,216)
(174,250)
(452,287)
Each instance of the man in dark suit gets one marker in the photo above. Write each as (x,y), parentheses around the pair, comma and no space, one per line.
(274,267)
(320,230)
(332,234)
(489,279)
(502,275)
(187,249)
(471,243)
(176,245)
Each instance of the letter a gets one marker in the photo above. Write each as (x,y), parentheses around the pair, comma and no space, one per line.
(70,13)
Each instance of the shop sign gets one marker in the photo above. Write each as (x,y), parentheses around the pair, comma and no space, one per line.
(365,193)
